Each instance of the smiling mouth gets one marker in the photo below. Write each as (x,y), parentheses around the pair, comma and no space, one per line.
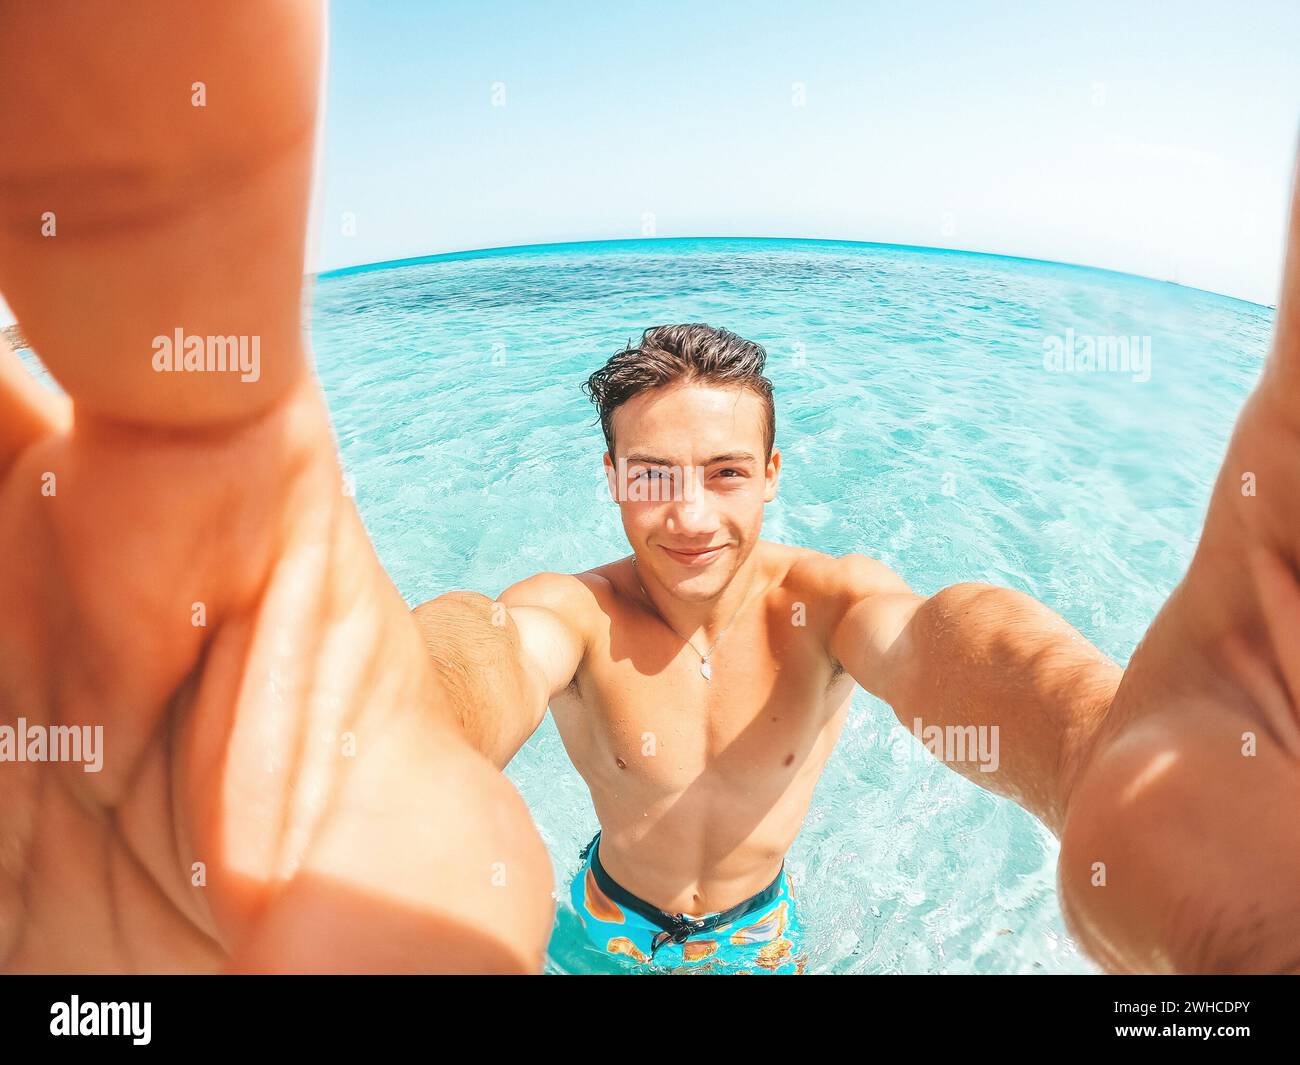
(695,557)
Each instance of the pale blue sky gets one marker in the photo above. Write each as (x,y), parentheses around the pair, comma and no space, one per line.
(1147,137)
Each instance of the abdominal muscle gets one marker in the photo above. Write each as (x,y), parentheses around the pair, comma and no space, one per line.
(692,829)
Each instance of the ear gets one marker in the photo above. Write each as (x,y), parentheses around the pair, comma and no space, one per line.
(772,474)
(611,476)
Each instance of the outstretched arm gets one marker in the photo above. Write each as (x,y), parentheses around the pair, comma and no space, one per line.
(973,656)
(294,742)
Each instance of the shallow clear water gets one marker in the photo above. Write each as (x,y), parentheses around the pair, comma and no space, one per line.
(918,425)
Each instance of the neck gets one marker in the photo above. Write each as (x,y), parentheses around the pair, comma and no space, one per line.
(702,621)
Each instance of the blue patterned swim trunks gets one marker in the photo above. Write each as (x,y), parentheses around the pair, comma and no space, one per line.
(758,936)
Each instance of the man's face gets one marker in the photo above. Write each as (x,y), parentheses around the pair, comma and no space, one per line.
(690,480)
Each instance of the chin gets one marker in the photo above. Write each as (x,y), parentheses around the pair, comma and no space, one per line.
(699,587)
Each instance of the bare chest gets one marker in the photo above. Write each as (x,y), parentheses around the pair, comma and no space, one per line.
(642,712)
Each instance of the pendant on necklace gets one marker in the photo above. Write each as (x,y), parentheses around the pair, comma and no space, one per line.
(706,669)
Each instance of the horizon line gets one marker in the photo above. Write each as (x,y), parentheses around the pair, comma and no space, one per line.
(475,253)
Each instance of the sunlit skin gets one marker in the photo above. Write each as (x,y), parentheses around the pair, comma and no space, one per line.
(286,786)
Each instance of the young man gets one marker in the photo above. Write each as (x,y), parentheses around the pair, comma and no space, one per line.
(700,683)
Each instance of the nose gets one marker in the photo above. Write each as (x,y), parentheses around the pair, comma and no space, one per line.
(693,515)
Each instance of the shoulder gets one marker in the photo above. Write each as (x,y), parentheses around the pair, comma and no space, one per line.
(848,577)
(554,615)
(847,593)
(545,590)
(858,605)
(570,596)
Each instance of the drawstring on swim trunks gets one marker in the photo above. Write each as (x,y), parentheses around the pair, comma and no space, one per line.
(685,927)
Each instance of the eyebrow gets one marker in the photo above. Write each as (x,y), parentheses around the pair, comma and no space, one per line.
(654,460)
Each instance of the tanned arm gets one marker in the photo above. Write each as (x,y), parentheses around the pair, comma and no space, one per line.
(974,655)
(505,659)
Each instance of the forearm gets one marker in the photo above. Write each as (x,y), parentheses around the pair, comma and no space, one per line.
(477,653)
(1004,690)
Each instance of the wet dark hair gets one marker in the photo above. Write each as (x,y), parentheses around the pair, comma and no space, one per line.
(671,353)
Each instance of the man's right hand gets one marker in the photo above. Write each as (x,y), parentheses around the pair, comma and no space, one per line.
(285,784)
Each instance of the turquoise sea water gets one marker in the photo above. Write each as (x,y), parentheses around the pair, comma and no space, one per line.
(918,424)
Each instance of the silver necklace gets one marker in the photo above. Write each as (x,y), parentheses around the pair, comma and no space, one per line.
(706,670)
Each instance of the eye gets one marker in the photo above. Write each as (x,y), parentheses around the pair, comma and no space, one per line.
(737,473)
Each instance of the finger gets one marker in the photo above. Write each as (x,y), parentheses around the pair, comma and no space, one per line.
(27,410)
(154,190)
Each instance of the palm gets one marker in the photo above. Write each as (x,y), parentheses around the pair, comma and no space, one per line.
(278,759)
(1191,802)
